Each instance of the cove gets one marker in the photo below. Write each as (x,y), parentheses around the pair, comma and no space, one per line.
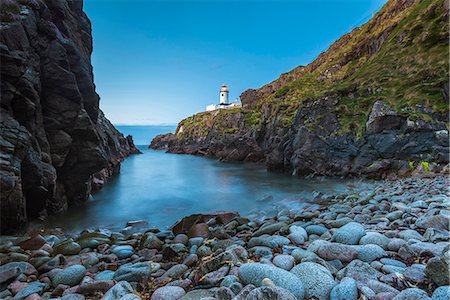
(162,188)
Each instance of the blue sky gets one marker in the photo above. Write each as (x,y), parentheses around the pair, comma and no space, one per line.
(157,62)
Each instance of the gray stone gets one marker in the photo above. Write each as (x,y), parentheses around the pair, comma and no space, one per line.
(105,275)
(270,293)
(316,229)
(168,293)
(317,280)
(395,244)
(262,251)
(176,271)
(437,269)
(229,280)
(369,253)
(31,288)
(342,252)
(118,291)
(69,276)
(269,228)
(349,234)
(254,273)
(413,293)
(300,254)
(376,239)
(135,272)
(410,234)
(441,293)
(198,294)
(271,241)
(345,290)
(360,271)
(283,261)
(76,297)
(393,262)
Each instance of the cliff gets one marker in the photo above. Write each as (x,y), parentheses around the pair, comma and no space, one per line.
(374,104)
(55,142)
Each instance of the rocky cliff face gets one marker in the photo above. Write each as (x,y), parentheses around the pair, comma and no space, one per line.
(374,104)
(55,142)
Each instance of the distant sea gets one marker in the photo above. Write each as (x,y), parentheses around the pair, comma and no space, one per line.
(162,188)
(142,135)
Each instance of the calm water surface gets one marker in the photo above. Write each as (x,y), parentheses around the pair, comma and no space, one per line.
(162,188)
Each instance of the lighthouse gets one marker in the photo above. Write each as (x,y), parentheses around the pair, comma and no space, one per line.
(223,100)
(224,94)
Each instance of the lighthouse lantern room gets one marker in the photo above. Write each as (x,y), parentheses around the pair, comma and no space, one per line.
(224,94)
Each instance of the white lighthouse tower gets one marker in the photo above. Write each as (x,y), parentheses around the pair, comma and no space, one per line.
(224,94)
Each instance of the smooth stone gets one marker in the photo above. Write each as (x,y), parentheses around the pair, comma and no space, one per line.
(123,251)
(392,216)
(93,287)
(175,271)
(135,272)
(395,244)
(75,297)
(203,251)
(299,254)
(437,269)
(349,234)
(376,239)
(410,234)
(285,262)
(270,293)
(11,270)
(345,290)
(271,241)
(359,271)
(340,222)
(316,229)
(412,293)
(68,247)
(393,262)
(32,243)
(70,276)
(105,275)
(342,252)
(269,229)
(317,280)
(229,280)
(198,294)
(262,252)
(371,252)
(441,293)
(151,241)
(168,293)
(254,273)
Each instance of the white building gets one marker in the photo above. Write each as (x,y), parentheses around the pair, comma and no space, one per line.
(223,100)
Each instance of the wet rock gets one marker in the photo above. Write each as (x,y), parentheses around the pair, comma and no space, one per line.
(199,230)
(122,251)
(32,243)
(168,293)
(412,293)
(150,240)
(345,290)
(254,273)
(317,280)
(349,234)
(70,276)
(135,272)
(68,247)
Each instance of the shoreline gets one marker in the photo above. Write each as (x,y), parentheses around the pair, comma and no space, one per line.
(378,244)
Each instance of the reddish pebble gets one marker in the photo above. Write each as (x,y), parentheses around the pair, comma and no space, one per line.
(16,286)
(33,297)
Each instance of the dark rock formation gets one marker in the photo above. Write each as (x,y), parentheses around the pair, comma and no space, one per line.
(54,137)
(348,113)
